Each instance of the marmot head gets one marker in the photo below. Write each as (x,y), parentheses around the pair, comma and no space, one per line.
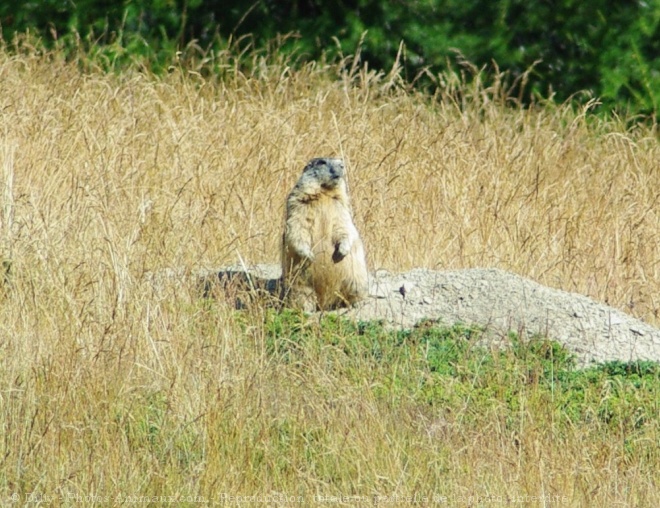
(322,175)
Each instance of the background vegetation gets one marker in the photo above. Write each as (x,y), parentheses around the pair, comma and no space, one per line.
(121,384)
(611,50)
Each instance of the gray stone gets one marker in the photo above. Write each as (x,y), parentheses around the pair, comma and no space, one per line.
(496,300)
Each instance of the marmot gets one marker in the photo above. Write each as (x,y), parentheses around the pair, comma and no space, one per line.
(323,261)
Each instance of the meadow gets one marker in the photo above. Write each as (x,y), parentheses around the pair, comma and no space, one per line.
(116,391)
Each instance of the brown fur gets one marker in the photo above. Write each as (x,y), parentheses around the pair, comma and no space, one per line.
(323,259)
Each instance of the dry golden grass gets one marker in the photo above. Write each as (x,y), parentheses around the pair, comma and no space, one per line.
(110,387)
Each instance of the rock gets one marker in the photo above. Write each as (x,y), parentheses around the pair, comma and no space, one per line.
(406,288)
(380,290)
(496,300)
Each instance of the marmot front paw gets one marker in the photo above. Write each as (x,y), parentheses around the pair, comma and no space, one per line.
(306,253)
(342,249)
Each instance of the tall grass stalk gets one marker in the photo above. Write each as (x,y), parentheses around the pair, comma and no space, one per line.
(114,386)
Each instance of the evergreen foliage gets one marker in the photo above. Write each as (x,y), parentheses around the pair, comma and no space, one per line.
(608,50)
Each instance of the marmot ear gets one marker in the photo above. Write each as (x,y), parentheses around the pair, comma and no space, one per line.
(317,161)
(309,165)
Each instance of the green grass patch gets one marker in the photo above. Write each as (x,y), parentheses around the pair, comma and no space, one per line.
(451,368)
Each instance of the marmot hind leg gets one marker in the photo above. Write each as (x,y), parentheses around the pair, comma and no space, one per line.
(300,297)
(297,290)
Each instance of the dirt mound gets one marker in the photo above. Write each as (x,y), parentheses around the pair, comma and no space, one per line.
(494,299)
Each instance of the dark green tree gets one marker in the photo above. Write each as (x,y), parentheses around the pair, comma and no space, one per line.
(611,49)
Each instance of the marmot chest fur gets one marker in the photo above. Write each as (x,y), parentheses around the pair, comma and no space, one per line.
(323,260)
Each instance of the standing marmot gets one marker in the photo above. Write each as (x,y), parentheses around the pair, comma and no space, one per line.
(323,260)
